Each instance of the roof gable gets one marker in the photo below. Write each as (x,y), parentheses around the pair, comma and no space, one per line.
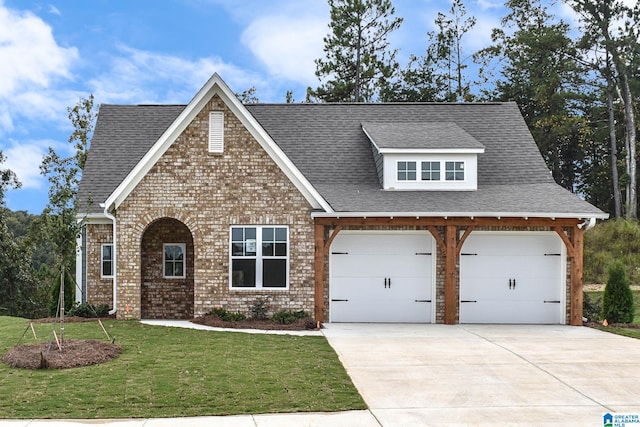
(215,86)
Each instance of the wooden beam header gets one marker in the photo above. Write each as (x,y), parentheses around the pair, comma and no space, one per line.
(446,221)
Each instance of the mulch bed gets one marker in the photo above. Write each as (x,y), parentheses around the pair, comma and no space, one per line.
(75,353)
(612,325)
(298,325)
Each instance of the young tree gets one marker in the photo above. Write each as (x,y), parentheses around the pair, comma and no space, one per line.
(614,52)
(358,60)
(58,223)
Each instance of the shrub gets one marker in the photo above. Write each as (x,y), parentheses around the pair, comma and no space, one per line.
(591,307)
(259,308)
(286,317)
(227,316)
(89,310)
(617,303)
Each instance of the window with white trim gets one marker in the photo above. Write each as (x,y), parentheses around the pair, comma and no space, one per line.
(430,171)
(174,260)
(454,171)
(259,257)
(106,260)
(406,171)
(216,131)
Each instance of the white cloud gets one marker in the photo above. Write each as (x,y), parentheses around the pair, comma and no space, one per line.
(24,158)
(489,4)
(140,77)
(31,60)
(28,52)
(287,45)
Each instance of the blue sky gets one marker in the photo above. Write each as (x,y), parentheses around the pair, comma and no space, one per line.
(162,51)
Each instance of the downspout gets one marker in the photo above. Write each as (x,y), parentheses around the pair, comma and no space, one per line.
(115,258)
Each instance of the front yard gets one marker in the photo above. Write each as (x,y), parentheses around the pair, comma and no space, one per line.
(171,372)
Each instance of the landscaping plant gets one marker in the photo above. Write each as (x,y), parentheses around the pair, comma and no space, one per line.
(617,304)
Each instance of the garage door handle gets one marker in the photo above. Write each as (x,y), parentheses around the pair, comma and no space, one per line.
(423,300)
(468,300)
(339,300)
(552,302)
(339,253)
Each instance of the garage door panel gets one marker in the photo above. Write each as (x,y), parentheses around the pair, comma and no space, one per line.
(510,277)
(514,312)
(381,277)
(349,265)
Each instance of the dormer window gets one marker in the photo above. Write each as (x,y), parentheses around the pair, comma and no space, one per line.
(454,171)
(406,171)
(431,171)
(438,156)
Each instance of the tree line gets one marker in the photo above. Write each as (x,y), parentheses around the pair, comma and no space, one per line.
(577,88)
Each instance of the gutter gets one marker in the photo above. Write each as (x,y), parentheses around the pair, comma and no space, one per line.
(115,258)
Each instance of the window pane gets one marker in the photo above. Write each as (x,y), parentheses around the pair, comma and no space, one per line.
(267,234)
(250,247)
(236,249)
(106,268)
(411,166)
(178,269)
(267,249)
(243,273)
(411,176)
(274,273)
(168,269)
(106,252)
(250,233)
(281,234)
(281,249)
(237,234)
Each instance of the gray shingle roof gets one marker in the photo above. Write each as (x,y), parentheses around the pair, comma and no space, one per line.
(327,144)
(446,135)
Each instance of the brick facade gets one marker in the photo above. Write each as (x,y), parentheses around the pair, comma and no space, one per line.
(209,193)
(99,289)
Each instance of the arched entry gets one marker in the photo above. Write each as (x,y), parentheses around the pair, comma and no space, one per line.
(167,270)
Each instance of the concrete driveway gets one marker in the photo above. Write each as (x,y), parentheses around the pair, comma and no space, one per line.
(422,375)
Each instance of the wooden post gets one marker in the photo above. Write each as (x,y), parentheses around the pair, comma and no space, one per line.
(450,300)
(577,240)
(319,273)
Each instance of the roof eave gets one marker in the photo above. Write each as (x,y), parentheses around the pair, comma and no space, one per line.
(550,215)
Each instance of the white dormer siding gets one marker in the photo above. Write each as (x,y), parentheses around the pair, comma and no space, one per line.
(437,156)
(216,131)
(435,175)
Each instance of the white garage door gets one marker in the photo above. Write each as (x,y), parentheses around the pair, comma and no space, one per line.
(512,278)
(381,277)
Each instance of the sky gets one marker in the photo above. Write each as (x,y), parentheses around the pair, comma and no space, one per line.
(54,53)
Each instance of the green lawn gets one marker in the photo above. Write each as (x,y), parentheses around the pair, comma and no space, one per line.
(170,372)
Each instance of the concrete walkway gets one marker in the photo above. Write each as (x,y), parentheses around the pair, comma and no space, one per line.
(439,375)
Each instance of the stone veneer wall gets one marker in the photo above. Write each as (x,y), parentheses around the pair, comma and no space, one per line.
(209,192)
(99,290)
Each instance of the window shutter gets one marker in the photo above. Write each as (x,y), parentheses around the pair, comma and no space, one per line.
(216,132)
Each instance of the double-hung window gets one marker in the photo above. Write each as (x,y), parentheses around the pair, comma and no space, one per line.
(174,256)
(106,260)
(454,171)
(406,171)
(259,257)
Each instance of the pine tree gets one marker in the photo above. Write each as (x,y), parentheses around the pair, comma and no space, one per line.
(358,61)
